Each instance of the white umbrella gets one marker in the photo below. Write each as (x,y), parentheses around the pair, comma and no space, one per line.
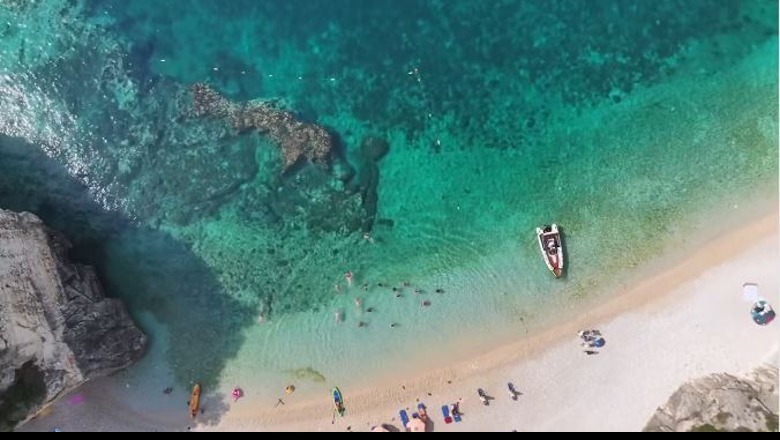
(750,292)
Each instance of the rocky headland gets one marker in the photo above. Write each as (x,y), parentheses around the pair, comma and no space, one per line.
(722,402)
(57,328)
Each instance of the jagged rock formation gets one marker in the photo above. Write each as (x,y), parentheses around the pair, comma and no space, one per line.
(57,328)
(295,138)
(722,402)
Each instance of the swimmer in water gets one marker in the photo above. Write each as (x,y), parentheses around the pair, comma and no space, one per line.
(348,277)
(358,303)
(337,287)
(338,316)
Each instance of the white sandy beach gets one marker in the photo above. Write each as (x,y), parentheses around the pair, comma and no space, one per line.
(678,324)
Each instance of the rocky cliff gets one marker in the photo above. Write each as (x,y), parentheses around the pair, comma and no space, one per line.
(57,328)
(722,402)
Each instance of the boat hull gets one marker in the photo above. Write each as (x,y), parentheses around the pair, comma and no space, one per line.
(551,247)
(338,402)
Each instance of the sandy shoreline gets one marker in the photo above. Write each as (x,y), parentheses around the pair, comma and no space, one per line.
(673,325)
(685,322)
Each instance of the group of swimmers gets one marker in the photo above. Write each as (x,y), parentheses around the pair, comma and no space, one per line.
(397,291)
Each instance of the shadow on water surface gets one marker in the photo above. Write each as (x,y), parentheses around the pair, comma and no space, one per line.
(148,269)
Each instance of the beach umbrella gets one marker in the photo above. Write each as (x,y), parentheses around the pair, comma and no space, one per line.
(762,313)
(416,425)
(379,428)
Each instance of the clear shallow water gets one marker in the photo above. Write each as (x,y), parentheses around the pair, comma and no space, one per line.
(638,117)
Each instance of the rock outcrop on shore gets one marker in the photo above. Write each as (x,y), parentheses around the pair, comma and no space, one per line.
(57,328)
(722,402)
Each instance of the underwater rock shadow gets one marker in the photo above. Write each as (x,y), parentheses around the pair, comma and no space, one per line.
(150,270)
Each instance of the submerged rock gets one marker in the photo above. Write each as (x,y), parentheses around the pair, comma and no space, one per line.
(722,402)
(372,150)
(296,139)
(57,328)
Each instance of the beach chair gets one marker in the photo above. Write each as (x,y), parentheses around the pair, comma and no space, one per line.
(456,417)
(404,417)
(445,412)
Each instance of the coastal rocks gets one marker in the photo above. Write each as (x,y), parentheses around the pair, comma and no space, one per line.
(57,328)
(296,139)
(310,199)
(722,402)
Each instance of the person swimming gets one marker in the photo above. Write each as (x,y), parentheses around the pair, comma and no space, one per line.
(348,277)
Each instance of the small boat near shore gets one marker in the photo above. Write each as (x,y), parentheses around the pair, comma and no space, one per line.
(338,402)
(552,248)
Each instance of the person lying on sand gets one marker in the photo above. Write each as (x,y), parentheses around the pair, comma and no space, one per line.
(456,409)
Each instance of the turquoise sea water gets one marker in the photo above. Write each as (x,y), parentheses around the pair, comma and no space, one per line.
(500,116)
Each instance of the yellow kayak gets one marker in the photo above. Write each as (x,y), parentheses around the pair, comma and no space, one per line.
(195,400)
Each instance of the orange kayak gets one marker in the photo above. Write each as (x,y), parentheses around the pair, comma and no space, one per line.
(195,400)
